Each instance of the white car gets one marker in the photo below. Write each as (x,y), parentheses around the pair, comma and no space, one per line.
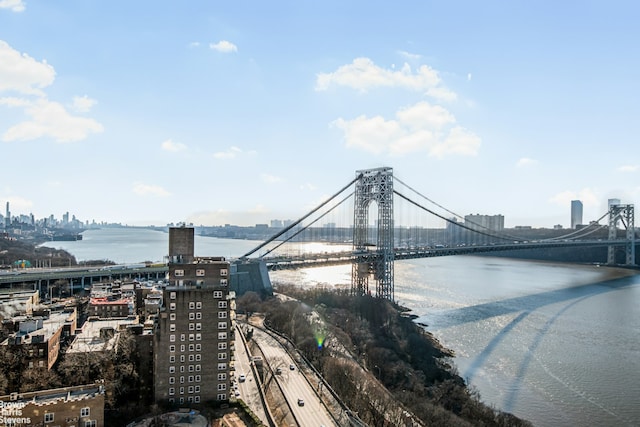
(242,378)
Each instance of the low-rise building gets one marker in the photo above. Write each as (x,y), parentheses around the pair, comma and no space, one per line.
(63,407)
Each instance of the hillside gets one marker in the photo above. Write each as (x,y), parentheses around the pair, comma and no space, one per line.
(14,250)
(377,359)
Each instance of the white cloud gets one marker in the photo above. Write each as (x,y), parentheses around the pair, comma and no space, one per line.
(230,153)
(362,74)
(51,119)
(82,104)
(587,196)
(412,56)
(270,179)
(21,73)
(223,46)
(421,127)
(469,77)
(149,190)
(174,147)
(24,75)
(14,5)
(194,44)
(526,162)
(308,187)
(628,168)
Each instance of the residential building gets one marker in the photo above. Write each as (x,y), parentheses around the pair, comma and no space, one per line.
(193,342)
(63,407)
(576,213)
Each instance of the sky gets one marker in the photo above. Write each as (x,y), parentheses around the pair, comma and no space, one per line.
(152,112)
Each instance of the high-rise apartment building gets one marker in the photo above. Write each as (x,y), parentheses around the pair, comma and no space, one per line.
(576,213)
(484,222)
(193,344)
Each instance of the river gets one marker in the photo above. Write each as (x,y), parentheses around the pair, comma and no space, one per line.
(556,344)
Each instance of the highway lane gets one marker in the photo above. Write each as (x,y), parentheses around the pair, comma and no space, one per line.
(294,384)
(249,387)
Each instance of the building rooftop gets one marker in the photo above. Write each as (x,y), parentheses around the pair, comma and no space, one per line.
(66,394)
(100,335)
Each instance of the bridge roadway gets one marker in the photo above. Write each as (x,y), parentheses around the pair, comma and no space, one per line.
(84,276)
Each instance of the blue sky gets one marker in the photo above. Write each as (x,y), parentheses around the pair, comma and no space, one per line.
(150,112)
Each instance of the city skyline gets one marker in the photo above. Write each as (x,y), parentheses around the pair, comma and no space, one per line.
(157,113)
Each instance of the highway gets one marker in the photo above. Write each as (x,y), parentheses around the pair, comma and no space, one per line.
(248,388)
(294,384)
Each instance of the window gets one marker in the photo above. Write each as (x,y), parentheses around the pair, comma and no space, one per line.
(198,357)
(179,273)
(196,389)
(191,358)
(192,316)
(223,272)
(222,396)
(91,423)
(84,412)
(172,338)
(181,390)
(192,326)
(190,389)
(222,377)
(192,305)
(172,348)
(172,326)
(190,399)
(48,417)
(182,337)
(182,368)
(172,380)
(223,282)
(217,294)
(181,400)
(172,369)
(198,347)
(172,400)
(222,315)
(172,295)
(182,358)
(222,387)
(191,368)
(198,380)
(172,391)
(222,346)
(198,305)
(222,366)
(222,356)
(198,315)
(222,325)
(191,337)
(182,348)
(198,337)
(191,347)
(172,306)
(182,379)
(41,363)
(172,359)
(198,368)
(190,381)
(172,316)
(200,272)
(222,304)
(198,326)
(196,399)
(222,335)
(31,364)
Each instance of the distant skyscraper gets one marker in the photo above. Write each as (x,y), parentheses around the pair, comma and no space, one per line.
(576,213)
(7,218)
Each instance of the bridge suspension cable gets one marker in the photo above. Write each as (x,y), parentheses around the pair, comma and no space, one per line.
(295,224)
(300,230)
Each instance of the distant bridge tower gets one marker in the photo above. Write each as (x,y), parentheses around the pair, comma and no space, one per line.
(625,215)
(374,253)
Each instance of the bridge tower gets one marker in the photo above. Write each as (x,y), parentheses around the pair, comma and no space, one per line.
(373,247)
(625,215)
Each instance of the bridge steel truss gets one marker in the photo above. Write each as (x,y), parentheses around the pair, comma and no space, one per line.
(624,214)
(373,259)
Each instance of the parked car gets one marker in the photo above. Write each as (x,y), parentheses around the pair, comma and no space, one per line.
(242,378)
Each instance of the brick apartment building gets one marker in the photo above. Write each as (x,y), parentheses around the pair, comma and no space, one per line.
(193,342)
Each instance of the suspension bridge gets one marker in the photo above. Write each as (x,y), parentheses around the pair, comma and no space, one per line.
(372,247)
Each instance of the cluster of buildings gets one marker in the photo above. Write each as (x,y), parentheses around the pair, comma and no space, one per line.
(184,329)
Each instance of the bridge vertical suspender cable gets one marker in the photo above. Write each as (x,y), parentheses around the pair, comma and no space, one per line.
(286,229)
